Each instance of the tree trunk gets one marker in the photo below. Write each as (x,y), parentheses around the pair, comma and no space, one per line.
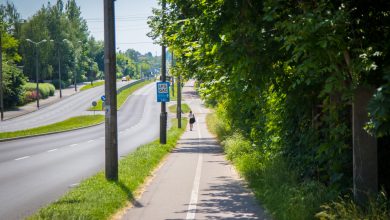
(365,164)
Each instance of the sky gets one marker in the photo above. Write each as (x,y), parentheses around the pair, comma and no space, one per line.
(130,20)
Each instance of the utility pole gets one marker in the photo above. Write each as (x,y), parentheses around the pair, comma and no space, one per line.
(163,115)
(173,78)
(59,69)
(111,129)
(178,110)
(1,77)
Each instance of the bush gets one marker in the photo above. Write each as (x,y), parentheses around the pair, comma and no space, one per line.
(64,84)
(45,89)
(346,208)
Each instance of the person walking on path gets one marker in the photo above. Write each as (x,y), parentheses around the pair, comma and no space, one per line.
(191,116)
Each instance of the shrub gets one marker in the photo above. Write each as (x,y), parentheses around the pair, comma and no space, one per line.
(45,89)
(64,84)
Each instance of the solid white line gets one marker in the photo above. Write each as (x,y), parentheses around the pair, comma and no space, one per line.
(52,150)
(22,158)
(191,211)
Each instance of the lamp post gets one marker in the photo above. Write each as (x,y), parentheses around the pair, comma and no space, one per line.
(1,78)
(74,74)
(59,65)
(36,44)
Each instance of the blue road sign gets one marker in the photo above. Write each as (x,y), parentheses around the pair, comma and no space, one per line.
(162,91)
(103,98)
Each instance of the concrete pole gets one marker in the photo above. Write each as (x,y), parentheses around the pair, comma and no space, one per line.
(59,69)
(1,78)
(36,73)
(163,114)
(173,78)
(178,110)
(365,161)
(111,129)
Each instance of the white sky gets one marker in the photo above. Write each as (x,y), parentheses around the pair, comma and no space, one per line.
(131,17)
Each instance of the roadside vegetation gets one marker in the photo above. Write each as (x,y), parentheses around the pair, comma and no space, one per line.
(291,81)
(89,86)
(184,108)
(279,188)
(122,96)
(97,198)
(69,124)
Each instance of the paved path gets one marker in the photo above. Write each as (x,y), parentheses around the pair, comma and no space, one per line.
(196,181)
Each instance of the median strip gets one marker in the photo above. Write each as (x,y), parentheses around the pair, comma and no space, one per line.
(97,198)
(77,122)
(67,125)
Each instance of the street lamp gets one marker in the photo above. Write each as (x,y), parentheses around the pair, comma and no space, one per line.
(36,44)
(59,65)
(74,75)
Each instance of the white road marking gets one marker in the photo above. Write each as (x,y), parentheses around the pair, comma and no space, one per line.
(49,151)
(74,185)
(22,158)
(73,145)
(191,211)
(90,141)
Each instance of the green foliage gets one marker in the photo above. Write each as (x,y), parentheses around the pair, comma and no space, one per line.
(87,199)
(274,183)
(283,74)
(346,208)
(13,81)
(69,124)
(45,89)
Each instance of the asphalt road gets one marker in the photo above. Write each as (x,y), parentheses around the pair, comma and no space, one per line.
(37,171)
(74,105)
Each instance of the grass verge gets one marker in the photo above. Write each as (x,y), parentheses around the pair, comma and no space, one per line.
(184,108)
(97,198)
(69,124)
(89,86)
(281,190)
(122,96)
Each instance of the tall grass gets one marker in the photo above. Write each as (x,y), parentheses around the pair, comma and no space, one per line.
(279,187)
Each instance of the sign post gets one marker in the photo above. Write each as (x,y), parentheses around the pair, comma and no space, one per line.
(163,92)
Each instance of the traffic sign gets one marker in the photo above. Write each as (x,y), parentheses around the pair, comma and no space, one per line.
(103,98)
(162,91)
(94,103)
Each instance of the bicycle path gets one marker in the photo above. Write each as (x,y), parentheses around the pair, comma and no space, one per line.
(196,181)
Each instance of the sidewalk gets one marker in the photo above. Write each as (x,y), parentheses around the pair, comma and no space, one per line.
(196,181)
(32,106)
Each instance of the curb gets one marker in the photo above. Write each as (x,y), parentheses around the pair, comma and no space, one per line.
(56,132)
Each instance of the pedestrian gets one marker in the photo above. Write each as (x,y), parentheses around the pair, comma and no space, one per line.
(191,116)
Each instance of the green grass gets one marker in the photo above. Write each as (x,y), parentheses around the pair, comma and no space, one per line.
(97,198)
(184,108)
(273,182)
(89,86)
(122,96)
(69,124)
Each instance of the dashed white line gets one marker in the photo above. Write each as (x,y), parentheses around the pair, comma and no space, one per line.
(90,141)
(22,158)
(73,145)
(52,150)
